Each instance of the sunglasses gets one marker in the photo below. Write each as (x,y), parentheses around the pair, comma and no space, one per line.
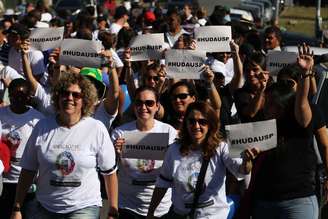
(148,103)
(155,78)
(75,95)
(202,122)
(181,96)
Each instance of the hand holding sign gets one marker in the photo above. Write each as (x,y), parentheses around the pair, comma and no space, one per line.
(248,155)
(118,145)
(208,74)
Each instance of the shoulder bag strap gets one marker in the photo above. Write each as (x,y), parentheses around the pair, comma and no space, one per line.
(198,189)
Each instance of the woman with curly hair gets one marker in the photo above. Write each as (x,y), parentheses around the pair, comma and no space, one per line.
(199,140)
(66,150)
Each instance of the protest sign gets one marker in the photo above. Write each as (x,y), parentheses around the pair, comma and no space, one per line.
(148,146)
(147,46)
(184,64)
(262,135)
(46,38)
(81,53)
(213,38)
(276,60)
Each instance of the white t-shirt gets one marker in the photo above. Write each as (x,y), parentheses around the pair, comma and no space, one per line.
(115,28)
(137,177)
(43,99)
(102,115)
(181,173)
(172,39)
(35,57)
(16,129)
(67,161)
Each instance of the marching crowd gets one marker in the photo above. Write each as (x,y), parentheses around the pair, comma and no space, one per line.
(64,127)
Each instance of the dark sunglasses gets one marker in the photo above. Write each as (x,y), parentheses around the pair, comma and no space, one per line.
(180,96)
(148,103)
(155,78)
(202,122)
(75,95)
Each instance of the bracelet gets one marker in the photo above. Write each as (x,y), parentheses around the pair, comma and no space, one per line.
(308,74)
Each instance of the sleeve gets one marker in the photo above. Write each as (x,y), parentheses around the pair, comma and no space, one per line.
(102,115)
(116,133)
(29,159)
(37,62)
(118,62)
(172,135)
(233,164)
(106,157)
(165,178)
(44,100)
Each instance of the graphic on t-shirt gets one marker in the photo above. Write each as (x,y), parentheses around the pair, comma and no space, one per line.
(13,140)
(187,173)
(146,166)
(65,163)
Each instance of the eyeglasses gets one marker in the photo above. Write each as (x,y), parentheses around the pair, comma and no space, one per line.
(75,95)
(181,96)
(148,103)
(155,78)
(202,122)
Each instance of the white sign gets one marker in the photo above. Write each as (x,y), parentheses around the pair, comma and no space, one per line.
(276,60)
(262,135)
(213,38)
(147,46)
(148,146)
(81,53)
(184,64)
(46,38)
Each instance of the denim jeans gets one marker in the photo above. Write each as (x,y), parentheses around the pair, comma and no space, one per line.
(91,212)
(299,208)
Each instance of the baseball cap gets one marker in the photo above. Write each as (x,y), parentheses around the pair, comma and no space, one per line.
(150,17)
(95,76)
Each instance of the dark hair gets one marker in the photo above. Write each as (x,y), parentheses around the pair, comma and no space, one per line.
(282,93)
(213,136)
(147,88)
(123,37)
(107,39)
(291,71)
(18,82)
(256,58)
(191,88)
(274,29)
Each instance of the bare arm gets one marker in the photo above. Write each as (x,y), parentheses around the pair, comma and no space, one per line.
(112,192)
(212,91)
(25,181)
(128,73)
(27,67)
(157,197)
(302,110)
(237,80)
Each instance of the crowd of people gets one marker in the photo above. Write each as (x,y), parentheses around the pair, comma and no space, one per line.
(64,128)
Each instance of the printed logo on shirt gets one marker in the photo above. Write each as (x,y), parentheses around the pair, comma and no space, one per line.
(146,166)
(13,140)
(65,163)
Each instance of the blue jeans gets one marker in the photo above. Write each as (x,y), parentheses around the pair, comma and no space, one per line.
(91,212)
(299,208)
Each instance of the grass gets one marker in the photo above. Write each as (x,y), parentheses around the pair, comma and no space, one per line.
(302,19)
